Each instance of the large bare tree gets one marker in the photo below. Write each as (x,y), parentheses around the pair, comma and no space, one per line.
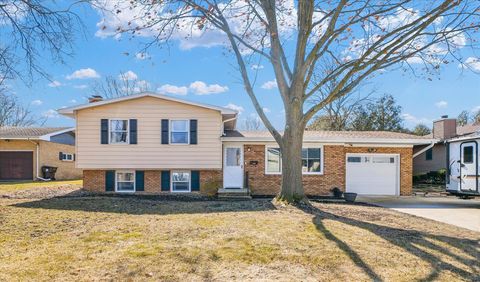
(299,38)
(31,29)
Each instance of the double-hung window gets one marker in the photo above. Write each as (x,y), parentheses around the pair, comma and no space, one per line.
(125,181)
(180,181)
(179,131)
(311,161)
(118,131)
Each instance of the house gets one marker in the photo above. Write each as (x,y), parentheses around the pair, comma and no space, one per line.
(433,157)
(151,143)
(24,150)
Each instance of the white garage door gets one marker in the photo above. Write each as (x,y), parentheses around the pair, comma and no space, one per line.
(372,174)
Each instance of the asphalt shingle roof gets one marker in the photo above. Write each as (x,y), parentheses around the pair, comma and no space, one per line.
(27,132)
(331,134)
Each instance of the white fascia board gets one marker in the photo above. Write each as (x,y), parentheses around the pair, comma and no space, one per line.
(69,111)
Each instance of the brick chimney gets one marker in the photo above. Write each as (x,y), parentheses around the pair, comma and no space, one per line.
(95,98)
(445,128)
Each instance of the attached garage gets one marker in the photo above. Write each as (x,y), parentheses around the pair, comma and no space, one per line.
(16,165)
(373,174)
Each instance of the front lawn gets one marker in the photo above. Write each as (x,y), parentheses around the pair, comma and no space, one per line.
(25,185)
(125,238)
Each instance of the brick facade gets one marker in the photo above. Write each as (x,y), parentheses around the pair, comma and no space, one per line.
(210,181)
(333,167)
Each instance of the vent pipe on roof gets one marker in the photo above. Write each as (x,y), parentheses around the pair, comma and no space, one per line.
(95,98)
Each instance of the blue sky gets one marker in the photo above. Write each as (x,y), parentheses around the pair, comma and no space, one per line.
(422,100)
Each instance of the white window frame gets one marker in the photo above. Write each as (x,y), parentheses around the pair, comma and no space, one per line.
(110,131)
(189,181)
(322,161)
(65,159)
(134,181)
(170,131)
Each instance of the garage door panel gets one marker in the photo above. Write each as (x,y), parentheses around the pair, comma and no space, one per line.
(16,165)
(372,174)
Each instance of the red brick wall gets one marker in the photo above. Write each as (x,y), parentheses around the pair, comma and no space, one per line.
(333,167)
(210,181)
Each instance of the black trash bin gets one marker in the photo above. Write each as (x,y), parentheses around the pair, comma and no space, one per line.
(49,172)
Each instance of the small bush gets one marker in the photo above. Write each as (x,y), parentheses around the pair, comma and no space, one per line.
(432,177)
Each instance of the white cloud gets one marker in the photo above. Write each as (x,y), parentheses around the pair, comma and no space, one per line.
(234,107)
(50,114)
(83,74)
(81,86)
(266,110)
(471,63)
(73,101)
(441,104)
(172,89)
(415,120)
(270,84)
(187,31)
(201,88)
(55,83)
(142,56)
(129,75)
(476,109)
(257,67)
(37,102)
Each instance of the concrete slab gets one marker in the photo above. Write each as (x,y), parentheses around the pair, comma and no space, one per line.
(451,210)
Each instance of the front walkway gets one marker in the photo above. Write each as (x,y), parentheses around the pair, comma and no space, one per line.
(451,210)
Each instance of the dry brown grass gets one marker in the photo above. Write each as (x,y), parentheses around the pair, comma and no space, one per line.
(111,238)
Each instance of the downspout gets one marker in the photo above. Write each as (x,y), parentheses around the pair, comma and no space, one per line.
(37,172)
(424,150)
(223,124)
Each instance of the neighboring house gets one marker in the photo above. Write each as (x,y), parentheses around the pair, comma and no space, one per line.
(150,143)
(24,150)
(433,157)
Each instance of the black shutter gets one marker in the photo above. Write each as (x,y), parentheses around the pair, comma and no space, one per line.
(60,156)
(133,131)
(164,131)
(139,180)
(104,131)
(110,180)
(165,180)
(193,131)
(73,157)
(195,180)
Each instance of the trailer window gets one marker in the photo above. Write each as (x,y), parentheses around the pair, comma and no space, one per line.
(468,155)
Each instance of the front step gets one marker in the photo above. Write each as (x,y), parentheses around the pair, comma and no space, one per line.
(239,194)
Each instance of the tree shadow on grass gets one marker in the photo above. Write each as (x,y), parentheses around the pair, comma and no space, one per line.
(139,205)
(418,243)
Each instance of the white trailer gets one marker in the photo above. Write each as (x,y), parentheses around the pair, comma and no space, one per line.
(463,166)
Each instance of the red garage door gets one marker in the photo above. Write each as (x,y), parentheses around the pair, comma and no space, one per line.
(16,165)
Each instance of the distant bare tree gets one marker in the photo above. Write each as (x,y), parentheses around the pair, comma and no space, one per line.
(122,85)
(253,123)
(476,118)
(12,113)
(463,118)
(28,27)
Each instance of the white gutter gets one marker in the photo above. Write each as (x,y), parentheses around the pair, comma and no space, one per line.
(423,150)
(223,124)
(37,172)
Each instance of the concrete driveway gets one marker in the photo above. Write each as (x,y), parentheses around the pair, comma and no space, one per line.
(451,210)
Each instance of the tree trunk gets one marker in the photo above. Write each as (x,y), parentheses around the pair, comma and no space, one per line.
(291,147)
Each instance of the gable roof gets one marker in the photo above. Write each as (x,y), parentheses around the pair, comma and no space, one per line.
(70,110)
(334,136)
(43,133)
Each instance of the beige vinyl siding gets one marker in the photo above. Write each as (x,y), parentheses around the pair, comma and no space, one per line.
(149,153)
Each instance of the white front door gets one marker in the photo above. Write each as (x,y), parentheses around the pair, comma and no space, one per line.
(372,174)
(468,166)
(233,167)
